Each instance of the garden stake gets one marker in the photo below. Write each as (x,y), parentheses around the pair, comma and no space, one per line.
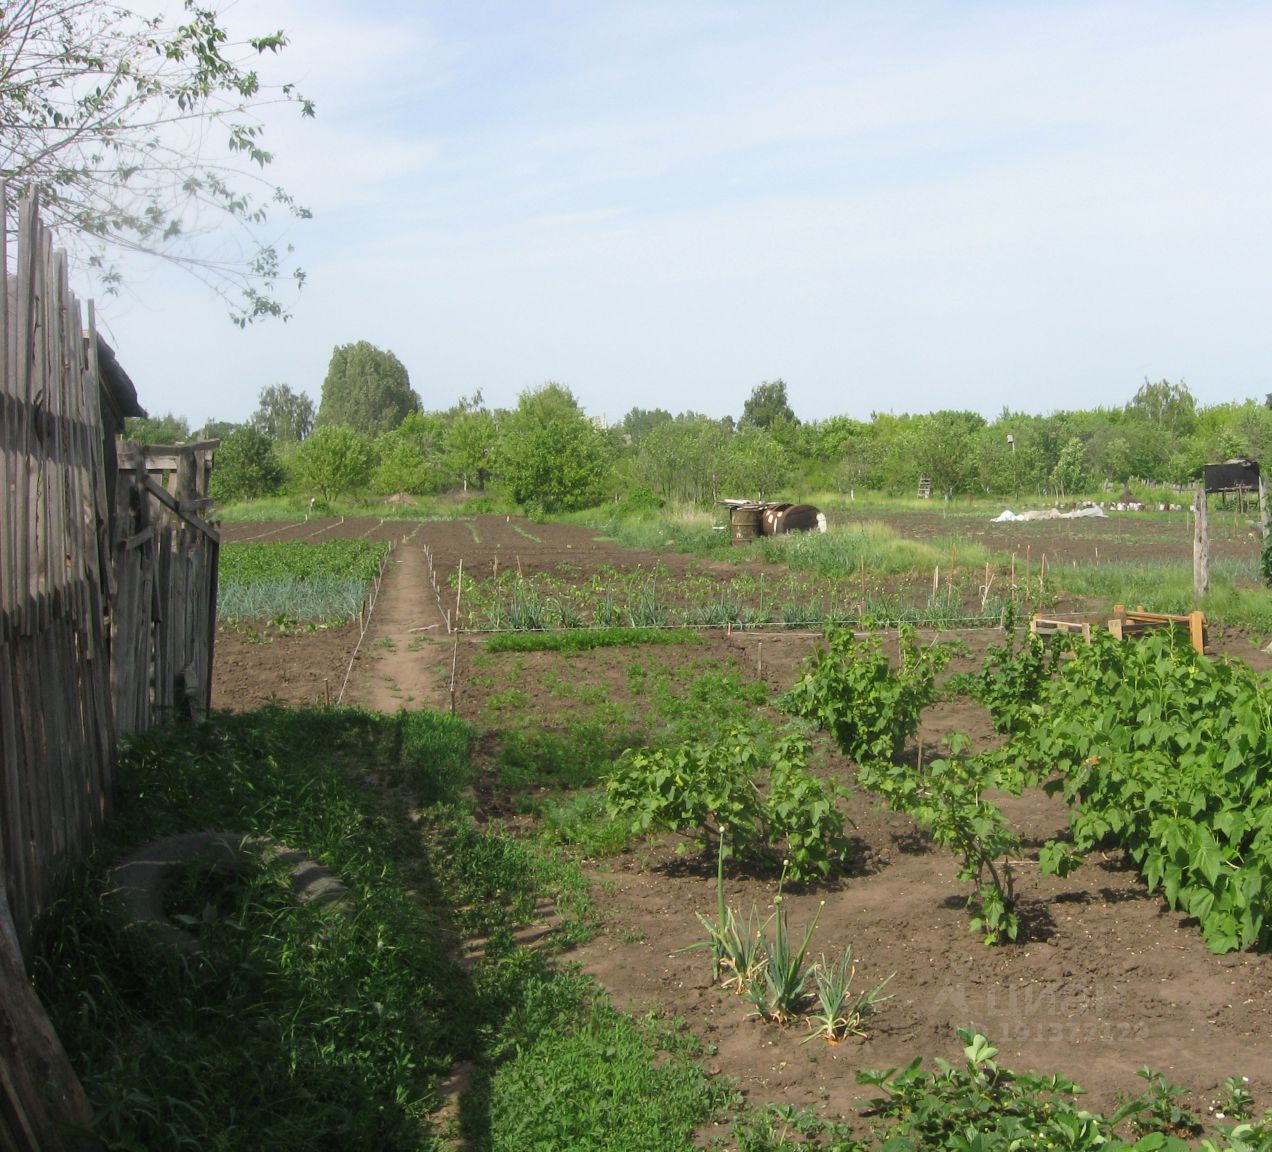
(459,589)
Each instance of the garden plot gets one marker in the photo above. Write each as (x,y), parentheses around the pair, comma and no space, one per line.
(1108,979)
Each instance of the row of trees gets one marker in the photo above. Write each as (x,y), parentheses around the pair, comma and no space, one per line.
(372,433)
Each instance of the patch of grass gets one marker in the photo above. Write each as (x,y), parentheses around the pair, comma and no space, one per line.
(607,1083)
(581,822)
(573,757)
(584,640)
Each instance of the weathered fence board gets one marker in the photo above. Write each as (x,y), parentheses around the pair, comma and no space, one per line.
(107,618)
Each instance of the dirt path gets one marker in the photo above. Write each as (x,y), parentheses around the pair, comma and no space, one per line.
(405,657)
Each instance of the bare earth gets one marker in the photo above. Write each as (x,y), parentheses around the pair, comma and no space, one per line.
(1109,981)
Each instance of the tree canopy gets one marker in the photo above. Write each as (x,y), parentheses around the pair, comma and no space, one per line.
(245,466)
(105,113)
(767,405)
(367,388)
(282,414)
(549,454)
(334,461)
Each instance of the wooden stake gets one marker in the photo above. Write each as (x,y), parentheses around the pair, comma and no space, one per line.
(1201,545)
(1263,508)
(459,590)
(759,660)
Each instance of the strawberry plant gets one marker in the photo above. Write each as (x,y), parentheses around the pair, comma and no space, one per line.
(851,689)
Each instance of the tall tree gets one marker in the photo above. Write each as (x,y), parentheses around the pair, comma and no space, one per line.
(410,456)
(367,388)
(550,454)
(246,466)
(109,114)
(282,414)
(335,460)
(767,405)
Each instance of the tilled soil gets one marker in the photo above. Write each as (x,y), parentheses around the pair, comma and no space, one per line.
(1109,980)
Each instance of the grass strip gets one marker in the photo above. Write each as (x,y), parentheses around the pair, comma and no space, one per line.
(584,640)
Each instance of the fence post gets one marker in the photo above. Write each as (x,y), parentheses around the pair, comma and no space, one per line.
(1201,545)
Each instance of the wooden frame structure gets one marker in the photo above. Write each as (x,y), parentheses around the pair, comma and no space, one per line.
(1124,624)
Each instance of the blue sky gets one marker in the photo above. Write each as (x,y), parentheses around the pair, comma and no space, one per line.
(892,207)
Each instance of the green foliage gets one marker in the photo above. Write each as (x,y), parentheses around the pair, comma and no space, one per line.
(409,457)
(294,1025)
(767,405)
(1159,1108)
(773,975)
(296,582)
(737,948)
(947,797)
(850,689)
(586,641)
(165,429)
(1069,472)
(246,467)
(367,389)
(981,1107)
(121,120)
(469,443)
(756,800)
(334,461)
(781,990)
(839,1012)
(602,1083)
(282,414)
(549,454)
(1168,754)
(1012,677)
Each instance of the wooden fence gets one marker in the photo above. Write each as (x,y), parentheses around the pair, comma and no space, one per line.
(107,616)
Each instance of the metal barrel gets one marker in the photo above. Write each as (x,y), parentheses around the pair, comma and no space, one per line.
(745,522)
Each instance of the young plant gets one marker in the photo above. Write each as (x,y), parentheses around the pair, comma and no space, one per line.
(764,796)
(839,1013)
(1011,679)
(781,995)
(736,949)
(851,690)
(947,797)
(1158,1108)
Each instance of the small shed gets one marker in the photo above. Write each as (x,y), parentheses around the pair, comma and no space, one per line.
(1238,475)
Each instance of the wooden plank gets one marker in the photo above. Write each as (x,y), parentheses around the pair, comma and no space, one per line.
(1197,630)
(172,504)
(39,1082)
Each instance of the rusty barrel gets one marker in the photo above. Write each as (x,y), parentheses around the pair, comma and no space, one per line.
(746,523)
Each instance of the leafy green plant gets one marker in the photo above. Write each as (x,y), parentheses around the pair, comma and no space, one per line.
(1158,1108)
(947,797)
(1168,754)
(851,689)
(1011,679)
(704,789)
(1235,1101)
(981,1106)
